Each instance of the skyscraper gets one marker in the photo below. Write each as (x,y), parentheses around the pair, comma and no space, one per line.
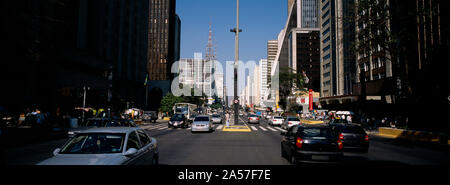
(164,39)
(272,50)
(337,55)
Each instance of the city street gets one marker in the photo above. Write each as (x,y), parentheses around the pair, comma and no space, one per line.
(261,146)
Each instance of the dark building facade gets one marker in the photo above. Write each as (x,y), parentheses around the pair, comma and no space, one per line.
(308,57)
(164,48)
(59,47)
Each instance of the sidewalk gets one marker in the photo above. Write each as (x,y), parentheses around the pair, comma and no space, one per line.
(409,139)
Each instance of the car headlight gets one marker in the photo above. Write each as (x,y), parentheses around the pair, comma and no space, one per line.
(70,133)
(181,122)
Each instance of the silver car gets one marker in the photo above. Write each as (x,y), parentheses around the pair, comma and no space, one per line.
(202,123)
(216,118)
(107,146)
(253,119)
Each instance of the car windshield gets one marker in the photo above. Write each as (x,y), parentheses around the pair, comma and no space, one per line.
(277,117)
(253,116)
(94,143)
(93,123)
(293,119)
(177,117)
(202,118)
(317,132)
(216,116)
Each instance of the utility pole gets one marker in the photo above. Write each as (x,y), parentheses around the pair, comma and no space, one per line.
(84,101)
(236,60)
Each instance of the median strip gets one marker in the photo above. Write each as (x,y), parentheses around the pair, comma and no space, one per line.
(236,129)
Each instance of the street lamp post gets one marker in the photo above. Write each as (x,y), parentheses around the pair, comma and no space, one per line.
(236,60)
(84,100)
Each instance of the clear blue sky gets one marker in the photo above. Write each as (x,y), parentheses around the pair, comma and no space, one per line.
(261,20)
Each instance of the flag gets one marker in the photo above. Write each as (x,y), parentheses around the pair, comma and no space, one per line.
(146,80)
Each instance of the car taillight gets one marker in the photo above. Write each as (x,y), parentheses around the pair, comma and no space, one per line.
(366,138)
(299,142)
(257,118)
(289,122)
(340,145)
(341,136)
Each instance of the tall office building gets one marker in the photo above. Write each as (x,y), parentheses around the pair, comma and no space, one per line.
(272,49)
(264,73)
(219,88)
(256,86)
(197,74)
(299,44)
(164,39)
(336,52)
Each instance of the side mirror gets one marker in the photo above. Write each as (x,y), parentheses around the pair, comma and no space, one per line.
(56,151)
(283,133)
(130,152)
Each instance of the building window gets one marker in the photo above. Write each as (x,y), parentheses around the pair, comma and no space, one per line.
(326,23)
(326,48)
(326,31)
(326,40)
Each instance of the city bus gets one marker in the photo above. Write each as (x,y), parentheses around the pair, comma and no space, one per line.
(188,109)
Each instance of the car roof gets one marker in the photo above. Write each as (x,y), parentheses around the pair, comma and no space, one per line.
(203,116)
(111,130)
(314,125)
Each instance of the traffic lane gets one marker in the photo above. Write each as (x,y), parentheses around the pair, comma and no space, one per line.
(411,155)
(219,148)
(33,153)
(386,152)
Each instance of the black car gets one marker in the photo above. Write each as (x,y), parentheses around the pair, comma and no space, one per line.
(353,137)
(311,143)
(178,120)
(339,121)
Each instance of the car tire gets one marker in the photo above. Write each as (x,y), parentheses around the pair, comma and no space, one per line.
(293,160)
(283,155)
(155,160)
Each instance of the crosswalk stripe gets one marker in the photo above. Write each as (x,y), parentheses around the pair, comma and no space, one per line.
(254,128)
(271,128)
(262,128)
(219,127)
(280,129)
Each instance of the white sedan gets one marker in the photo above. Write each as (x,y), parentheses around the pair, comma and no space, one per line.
(107,146)
(289,122)
(276,120)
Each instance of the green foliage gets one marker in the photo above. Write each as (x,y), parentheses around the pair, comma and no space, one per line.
(168,102)
(288,79)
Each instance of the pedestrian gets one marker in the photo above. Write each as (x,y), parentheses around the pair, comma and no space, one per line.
(349,118)
(227,118)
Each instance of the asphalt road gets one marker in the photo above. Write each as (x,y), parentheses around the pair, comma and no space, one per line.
(261,146)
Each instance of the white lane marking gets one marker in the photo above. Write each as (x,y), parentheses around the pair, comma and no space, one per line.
(262,128)
(280,129)
(271,128)
(219,127)
(254,128)
(162,128)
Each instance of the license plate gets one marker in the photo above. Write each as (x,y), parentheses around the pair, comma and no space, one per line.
(319,157)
